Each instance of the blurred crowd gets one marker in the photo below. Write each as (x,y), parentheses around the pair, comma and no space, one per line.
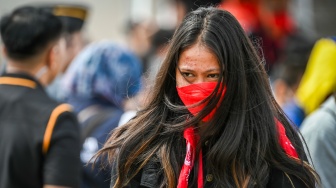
(106,82)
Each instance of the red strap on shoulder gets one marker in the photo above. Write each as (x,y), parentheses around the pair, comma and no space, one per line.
(285,143)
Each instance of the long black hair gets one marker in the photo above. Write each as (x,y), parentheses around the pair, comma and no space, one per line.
(243,137)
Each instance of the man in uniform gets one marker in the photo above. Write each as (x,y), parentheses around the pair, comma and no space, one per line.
(73,17)
(39,138)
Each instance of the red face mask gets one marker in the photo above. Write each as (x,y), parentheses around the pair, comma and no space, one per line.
(195,93)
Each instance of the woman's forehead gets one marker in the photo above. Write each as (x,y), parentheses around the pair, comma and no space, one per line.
(198,56)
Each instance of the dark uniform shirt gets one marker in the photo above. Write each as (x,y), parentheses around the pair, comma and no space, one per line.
(39,138)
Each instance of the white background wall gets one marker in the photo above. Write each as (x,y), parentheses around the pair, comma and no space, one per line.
(105,20)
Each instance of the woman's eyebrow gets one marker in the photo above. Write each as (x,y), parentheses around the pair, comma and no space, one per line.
(213,70)
(185,69)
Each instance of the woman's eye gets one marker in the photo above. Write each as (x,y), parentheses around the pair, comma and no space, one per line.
(213,75)
(186,74)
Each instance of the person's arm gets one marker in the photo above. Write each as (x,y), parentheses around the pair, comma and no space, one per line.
(319,131)
(62,160)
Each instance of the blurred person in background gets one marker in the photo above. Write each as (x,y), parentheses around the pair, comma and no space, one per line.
(211,120)
(159,46)
(319,131)
(319,128)
(138,39)
(285,80)
(183,7)
(97,84)
(39,138)
(319,79)
(286,76)
(268,19)
(153,61)
(73,17)
(2,64)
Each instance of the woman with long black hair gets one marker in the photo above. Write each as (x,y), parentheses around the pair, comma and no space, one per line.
(212,120)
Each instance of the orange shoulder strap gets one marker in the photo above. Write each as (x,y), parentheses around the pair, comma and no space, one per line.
(51,124)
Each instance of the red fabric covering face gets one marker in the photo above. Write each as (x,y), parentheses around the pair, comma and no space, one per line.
(195,93)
